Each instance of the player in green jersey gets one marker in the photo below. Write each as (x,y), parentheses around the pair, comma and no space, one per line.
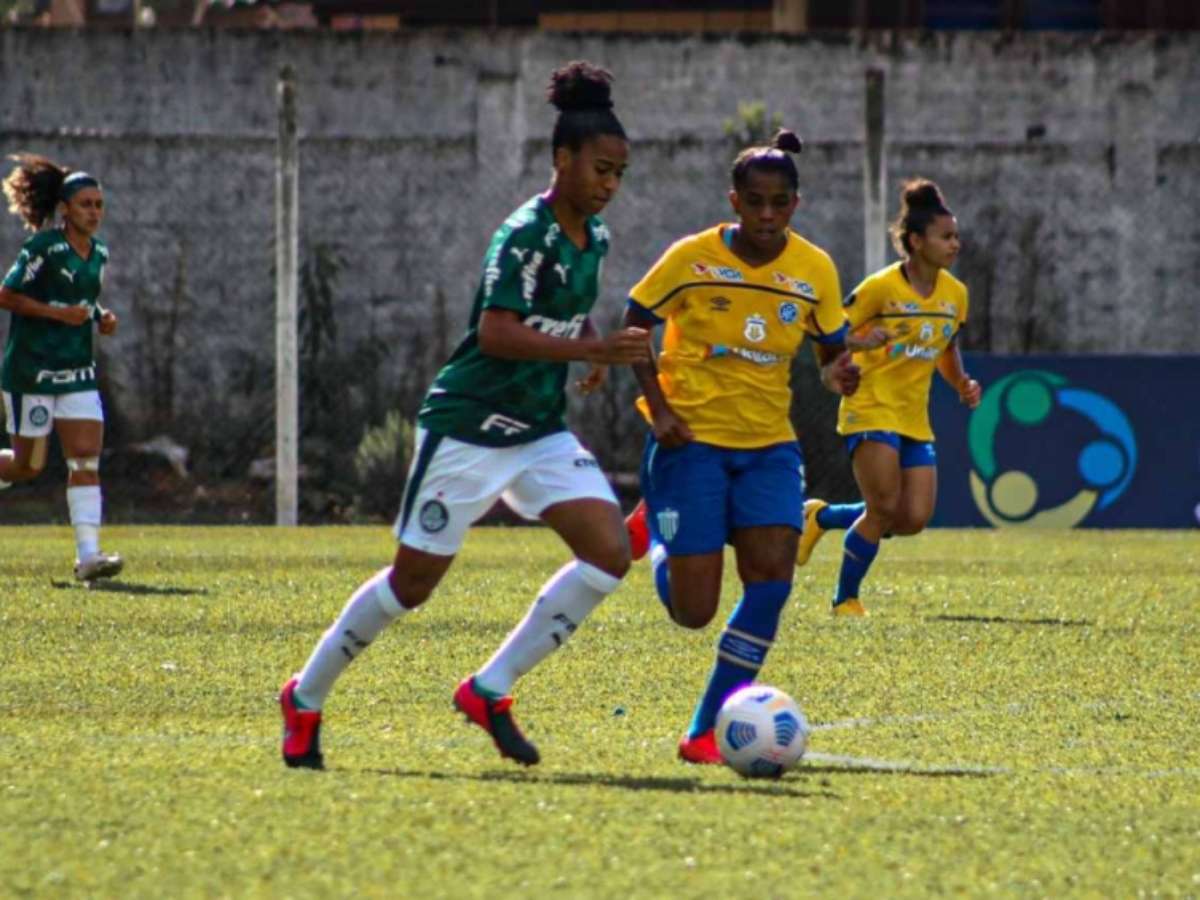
(49,371)
(491,426)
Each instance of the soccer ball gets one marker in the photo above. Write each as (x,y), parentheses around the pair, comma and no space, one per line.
(761,732)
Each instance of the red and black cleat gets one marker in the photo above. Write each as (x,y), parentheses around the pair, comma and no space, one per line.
(301,732)
(494,717)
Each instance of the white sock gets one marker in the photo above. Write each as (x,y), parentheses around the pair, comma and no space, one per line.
(370,609)
(563,603)
(84,503)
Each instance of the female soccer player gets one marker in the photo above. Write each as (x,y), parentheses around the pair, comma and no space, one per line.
(49,372)
(918,308)
(722,463)
(491,426)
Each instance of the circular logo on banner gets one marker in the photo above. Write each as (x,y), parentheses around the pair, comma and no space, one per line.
(433,517)
(39,416)
(1045,453)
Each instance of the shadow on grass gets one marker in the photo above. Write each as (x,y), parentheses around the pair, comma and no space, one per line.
(1005,620)
(125,587)
(780,788)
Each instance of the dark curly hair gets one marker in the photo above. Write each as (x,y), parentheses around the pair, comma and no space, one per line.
(774,157)
(33,188)
(582,93)
(921,202)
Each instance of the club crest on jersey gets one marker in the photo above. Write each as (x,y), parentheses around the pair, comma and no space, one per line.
(788,312)
(668,523)
(724,273)
(756,328)
(947,331)
(433,516)
(39,416)
(926,333)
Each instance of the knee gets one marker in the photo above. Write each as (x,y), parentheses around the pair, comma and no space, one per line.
(909,524)
(685,611)
(411,588)
(611,556)
(885,511)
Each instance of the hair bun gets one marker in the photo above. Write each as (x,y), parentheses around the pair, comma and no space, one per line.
(922,194)
(787,140)
(580,85)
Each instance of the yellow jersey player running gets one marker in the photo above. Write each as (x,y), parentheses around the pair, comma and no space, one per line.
(910,314)
(722,463)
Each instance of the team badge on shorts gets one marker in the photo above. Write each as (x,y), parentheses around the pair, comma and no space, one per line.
(788,312)
(668,523)
(39,416)
(433,517)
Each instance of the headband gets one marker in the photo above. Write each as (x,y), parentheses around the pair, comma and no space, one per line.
(76,182)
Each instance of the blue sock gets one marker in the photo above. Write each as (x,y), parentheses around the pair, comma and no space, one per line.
(857,558)
(742,649)
(840,515)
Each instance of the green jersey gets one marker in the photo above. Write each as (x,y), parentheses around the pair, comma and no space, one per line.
(43,356)
(533,269)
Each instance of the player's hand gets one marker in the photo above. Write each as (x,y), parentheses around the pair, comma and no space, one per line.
(593,379)
(841,376)
(72,315)
(970,392)
(108,322)
(625,347)
(867,340)
(671,431)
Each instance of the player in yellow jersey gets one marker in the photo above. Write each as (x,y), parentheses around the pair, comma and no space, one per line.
(918,308)
(722,464)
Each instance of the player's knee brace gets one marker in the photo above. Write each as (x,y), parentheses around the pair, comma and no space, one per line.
(83,464)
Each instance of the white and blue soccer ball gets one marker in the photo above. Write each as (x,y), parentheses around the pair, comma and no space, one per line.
(761,732)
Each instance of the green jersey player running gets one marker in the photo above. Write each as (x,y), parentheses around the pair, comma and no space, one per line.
(48,375)
(492,426)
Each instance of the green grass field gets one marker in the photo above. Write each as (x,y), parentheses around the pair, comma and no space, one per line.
(1018,717)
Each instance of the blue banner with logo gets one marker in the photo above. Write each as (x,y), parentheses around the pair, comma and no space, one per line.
(1071,441)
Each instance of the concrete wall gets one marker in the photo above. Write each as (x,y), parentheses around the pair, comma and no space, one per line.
(1072,161)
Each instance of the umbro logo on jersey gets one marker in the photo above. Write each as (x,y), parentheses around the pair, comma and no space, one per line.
(720,304)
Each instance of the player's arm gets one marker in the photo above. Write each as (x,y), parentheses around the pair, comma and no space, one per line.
(669,429)
(950,367)
(504,335)
(828,327)
(24,305)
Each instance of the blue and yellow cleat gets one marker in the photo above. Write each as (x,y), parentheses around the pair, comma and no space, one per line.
(850,609)
(812,531)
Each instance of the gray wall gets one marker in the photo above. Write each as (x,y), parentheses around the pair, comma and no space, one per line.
(416,145)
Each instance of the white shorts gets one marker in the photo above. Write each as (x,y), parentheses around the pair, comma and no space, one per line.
(451,484)
(33,415)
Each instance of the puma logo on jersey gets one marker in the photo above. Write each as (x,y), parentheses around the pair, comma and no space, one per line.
(68,274)
(520,252)
(563,271)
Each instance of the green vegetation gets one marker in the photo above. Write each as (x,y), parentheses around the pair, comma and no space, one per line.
(1018,717)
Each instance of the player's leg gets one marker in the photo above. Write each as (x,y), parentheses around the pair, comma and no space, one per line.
(448,487)
(918,487)
(79,423)
(876,463)
(766,497)
(28,420)
(561,484)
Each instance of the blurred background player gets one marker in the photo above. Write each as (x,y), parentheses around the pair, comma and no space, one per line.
(722,463)
(48,375)
(491,426)
(918,308)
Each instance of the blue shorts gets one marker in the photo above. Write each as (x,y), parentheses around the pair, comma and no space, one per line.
(697,494)
(912,453)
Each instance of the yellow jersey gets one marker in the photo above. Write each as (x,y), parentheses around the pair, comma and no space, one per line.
(894,392)
(732,330)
